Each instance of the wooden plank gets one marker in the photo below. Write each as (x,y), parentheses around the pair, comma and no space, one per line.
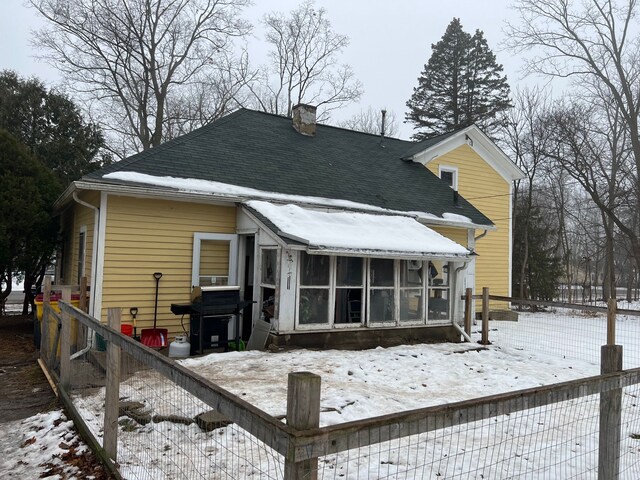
(485,316)
(303,413)
(361,433)
(112,389)
(255,421)
(65,342)
(44,323)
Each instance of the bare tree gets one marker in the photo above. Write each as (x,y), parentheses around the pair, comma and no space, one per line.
(526,139)
(591,144)
(137,58)
(591,41)
(303,64)
(370,121)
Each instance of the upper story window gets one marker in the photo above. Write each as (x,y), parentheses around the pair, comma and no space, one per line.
(449,175)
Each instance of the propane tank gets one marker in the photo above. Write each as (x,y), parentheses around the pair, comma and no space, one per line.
(180,347)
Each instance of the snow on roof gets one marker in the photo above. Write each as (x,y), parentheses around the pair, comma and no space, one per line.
(357,232)
(193,185)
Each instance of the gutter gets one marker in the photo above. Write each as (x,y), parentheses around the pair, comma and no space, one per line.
(475,239)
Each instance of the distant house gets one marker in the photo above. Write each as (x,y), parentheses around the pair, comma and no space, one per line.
(340,237)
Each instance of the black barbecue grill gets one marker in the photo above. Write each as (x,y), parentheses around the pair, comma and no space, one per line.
(210,311)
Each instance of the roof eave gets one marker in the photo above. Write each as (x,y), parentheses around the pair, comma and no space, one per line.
(486,148)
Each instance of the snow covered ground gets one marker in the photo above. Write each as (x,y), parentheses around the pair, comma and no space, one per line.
(34,447)
(539,349)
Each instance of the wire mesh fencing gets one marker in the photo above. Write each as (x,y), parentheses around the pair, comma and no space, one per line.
(559,439)
(163,429)
(171,423)
(574,332)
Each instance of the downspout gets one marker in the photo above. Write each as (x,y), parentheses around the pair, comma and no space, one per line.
(94,267)
(455,287)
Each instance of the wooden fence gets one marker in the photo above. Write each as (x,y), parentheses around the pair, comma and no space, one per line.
(301,441)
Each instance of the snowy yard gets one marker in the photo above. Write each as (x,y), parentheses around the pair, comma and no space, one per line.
(362,384)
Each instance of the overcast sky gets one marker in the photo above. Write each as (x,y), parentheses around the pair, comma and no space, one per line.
(390,42)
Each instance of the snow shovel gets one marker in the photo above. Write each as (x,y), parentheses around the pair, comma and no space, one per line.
(155,337)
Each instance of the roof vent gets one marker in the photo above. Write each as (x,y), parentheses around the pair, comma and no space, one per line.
(304,119)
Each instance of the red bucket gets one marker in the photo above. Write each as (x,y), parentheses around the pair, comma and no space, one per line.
(126,329)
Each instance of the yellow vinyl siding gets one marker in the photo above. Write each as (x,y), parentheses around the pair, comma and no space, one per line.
(73,220)
(489,192)
(144,236)
(458,235)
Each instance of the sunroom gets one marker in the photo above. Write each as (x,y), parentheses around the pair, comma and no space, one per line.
(324,275)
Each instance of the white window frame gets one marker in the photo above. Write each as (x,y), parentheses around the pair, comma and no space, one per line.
(233,255)
(453,170)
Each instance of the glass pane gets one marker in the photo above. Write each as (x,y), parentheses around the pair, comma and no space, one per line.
(411,305)
(438,304)
(349,271)
(411,273)
(314,269)
(268,303)
(348,305)
(214,262)
(269,259)
(438,273)
(447,177)
(381,272)
(382,306)
(314,305)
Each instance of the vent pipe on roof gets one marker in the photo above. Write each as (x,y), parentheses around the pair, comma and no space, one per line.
(456,198)
(304,119)
(384,116)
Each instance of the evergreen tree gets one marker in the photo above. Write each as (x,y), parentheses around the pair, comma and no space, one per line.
(51,127)
(461,84)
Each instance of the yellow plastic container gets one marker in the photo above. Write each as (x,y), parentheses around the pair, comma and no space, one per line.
(52,326)
(53,300)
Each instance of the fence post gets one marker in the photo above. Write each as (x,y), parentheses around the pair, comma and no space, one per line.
(112,390)
(612,306)
(467,311)
(485,316)
(44,322)
(65,342)
(303,412)
(610,403)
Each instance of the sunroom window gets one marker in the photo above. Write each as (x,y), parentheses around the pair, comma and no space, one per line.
(313,307)
(438,291)
(411,291)
(268,275)
(349,289)
(382,290)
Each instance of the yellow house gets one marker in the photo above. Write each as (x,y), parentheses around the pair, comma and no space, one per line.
(340,238)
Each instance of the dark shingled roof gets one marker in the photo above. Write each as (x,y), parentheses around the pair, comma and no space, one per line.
(263,151)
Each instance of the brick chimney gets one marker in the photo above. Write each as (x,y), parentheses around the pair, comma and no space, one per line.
(304,119)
